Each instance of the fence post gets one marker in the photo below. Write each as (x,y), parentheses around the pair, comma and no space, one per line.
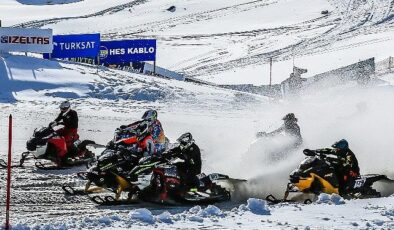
(7,219)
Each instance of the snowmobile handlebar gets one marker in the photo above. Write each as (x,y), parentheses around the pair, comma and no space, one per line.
(311,153)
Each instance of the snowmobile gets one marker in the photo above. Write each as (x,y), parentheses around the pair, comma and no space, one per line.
(165,185)
(317,174)
(109,171)
(44,145)
(156,179)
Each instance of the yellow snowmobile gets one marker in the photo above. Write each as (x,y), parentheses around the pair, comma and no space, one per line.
(317,174)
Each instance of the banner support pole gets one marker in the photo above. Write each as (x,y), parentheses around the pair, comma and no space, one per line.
(98,64)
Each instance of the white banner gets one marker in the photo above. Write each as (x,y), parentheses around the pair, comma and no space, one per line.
(26,40)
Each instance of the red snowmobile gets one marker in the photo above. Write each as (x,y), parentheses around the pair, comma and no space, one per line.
(46,144)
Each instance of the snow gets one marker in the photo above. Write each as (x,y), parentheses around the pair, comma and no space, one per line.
(330,199)
(224,42)
(258,206)
(142,214)
(364,213)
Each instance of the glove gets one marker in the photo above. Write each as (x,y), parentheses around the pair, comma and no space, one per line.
(176,160)
(53,123)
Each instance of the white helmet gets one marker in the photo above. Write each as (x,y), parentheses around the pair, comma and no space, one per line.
(65,105)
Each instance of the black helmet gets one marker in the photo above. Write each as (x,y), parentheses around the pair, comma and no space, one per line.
(289,117)
(150,115)
(185,140)
(341,144)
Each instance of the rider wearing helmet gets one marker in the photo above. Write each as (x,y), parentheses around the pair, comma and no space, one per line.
(190,155)
(347,168)
(289,127)
(156,130)
(68,118)
(144,138)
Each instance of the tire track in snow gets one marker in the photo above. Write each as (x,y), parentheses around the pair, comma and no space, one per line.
(155,26)
(359,17)
(111,10)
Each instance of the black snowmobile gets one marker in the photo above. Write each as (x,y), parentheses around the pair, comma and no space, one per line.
(44,145)
(157,180)
(153,179)
(110,170)
(317,174)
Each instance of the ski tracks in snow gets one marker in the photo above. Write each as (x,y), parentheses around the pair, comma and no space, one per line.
(111,10)
(356,17)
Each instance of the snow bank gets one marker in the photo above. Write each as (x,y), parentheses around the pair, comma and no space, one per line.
(255,206)
(142,214)
(197,214)
(330,199)
(388,213)
(211,210)
(165,217)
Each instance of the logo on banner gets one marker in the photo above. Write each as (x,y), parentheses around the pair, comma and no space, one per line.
(115,52)
(103,52)
(25,40)
(76,45)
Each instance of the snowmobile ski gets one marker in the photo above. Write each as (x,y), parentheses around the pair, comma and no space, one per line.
(70,191)
(204,198)
(273,200)
(4,164)
(109,200)
(42,166)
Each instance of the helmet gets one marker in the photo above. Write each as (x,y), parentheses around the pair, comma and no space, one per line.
(185,140)
(341,144)
(150,115)
(65,105)
(289,117)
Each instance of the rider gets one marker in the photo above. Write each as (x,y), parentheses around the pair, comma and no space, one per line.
(289,127)
(156,129)
(69,133)
(145,141)
(347,169)
(189,154)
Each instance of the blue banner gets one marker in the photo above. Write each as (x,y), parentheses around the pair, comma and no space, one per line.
(76,45)
(115,52)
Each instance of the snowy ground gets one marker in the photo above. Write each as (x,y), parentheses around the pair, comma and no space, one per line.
(223,42)
(230,42)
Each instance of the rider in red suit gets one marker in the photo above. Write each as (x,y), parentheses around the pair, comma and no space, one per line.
(69,133)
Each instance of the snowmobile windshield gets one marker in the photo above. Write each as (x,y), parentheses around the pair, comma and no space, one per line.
(106,155)
(307,163)
(43,132)
(126,136)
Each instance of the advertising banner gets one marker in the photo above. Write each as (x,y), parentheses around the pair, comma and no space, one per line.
(76,45)
(114,52)
(26,40)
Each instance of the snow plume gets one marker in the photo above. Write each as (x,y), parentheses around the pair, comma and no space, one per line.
(360,114)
